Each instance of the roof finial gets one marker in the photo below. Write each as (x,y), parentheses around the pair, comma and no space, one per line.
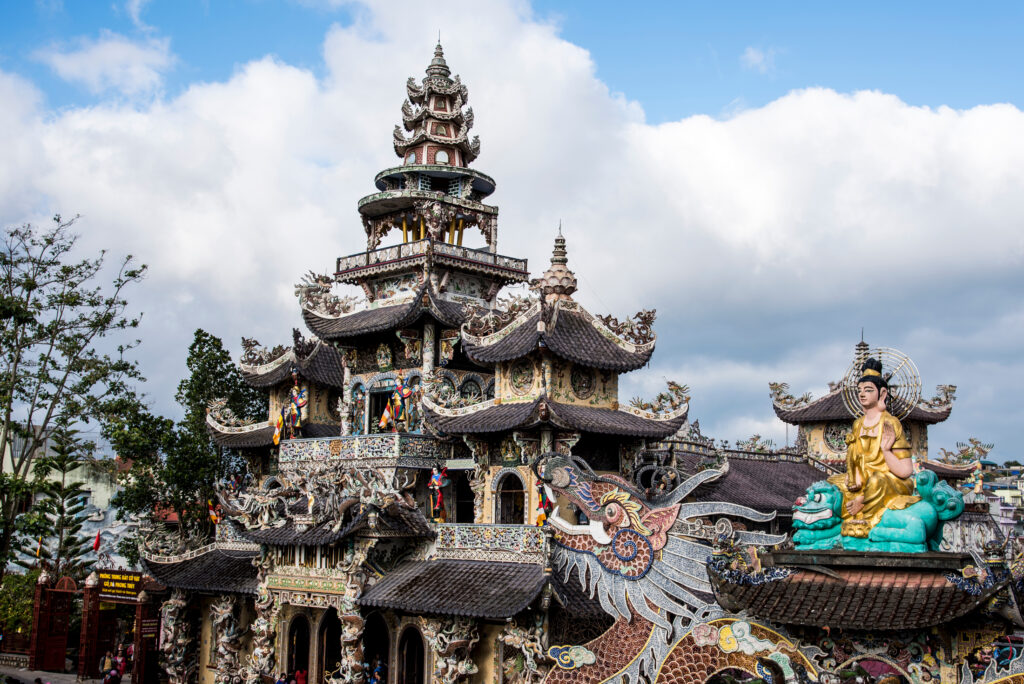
(438,67)
(558,282)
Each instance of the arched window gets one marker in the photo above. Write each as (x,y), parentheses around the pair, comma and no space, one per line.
(441,157)
(511,501)
(441,129)
(410,657)
(410,158)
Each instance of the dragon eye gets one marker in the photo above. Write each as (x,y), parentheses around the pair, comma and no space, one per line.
(817,497)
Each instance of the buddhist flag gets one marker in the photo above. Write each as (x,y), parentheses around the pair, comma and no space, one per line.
(385,417)
(96,544)
(212,510)
(39,549)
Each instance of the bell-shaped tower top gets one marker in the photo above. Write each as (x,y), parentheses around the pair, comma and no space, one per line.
(558,282)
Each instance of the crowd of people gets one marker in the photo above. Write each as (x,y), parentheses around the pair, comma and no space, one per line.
(299,677)
(113,667)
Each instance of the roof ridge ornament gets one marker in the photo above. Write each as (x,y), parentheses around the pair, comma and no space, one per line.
(438,67)
(558,282)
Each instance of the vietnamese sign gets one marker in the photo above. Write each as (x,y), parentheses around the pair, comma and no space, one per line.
(120,584)
(150,628)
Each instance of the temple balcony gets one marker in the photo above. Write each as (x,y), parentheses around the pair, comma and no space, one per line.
(484,542)
(406,256)
(389,449)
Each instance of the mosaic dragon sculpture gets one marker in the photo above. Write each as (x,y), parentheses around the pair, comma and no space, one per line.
(645,562)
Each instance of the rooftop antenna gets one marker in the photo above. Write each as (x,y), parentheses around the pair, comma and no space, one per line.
(861,328)
(559,227)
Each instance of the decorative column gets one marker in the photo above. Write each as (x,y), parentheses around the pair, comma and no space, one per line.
(228,633)
(531,641)
(451,641)
(40,618)
(176,639)
(88,655)
(264,627)
(352,670)
(345,403)
(429,349)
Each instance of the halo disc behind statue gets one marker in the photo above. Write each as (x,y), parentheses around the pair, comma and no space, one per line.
(900,372)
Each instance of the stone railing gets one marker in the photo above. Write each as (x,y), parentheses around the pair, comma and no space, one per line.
(405,250)
(480,256)
(202,550)
(510,543)
(387,449)
(418,249)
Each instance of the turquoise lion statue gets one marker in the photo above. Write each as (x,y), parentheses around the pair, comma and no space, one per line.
(914,529)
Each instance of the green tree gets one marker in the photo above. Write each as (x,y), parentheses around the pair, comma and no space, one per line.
(58,515)
(17,594)
(54,319)
(176,467)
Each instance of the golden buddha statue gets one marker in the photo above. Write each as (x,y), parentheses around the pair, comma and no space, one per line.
(879,470)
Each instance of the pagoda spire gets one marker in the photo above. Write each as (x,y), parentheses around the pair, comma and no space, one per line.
(438,67)
(433,194)
(558,282)
(438,119)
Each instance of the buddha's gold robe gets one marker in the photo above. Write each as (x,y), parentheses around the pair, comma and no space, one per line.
(880,488)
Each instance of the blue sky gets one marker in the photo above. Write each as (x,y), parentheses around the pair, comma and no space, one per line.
(675,59)
(771,177)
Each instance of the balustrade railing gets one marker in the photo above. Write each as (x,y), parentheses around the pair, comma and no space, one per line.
(409,250)
(393,445)
(514,543)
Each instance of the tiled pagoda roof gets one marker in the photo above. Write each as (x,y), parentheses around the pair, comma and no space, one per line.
(387,317)
(259,434)
(948,471)
(490,416)
(570,331)
(912,593)
(323,365)
(217,570)
(459,588)
(768,482)
(395,521)
(831,407)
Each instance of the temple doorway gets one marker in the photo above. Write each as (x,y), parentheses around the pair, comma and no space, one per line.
(511,500)
(376,642)
(463,494)
(298,644)
(329,645)
(410,657)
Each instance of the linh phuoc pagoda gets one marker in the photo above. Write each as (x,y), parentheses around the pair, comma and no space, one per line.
(448,489)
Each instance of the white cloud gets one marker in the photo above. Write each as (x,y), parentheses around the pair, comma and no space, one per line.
(756,59)
(112,62)
(766,240)
(134,9)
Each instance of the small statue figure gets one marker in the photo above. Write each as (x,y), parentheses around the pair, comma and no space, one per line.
(438,479)
(878,466)
(294,412)
(358,410)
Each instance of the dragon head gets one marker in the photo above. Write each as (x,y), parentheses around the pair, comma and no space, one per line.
(819,508)
(624,529)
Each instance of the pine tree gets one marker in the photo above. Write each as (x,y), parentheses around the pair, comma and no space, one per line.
(61,548)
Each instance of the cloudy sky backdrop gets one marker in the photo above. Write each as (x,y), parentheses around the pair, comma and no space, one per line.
(770,183)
